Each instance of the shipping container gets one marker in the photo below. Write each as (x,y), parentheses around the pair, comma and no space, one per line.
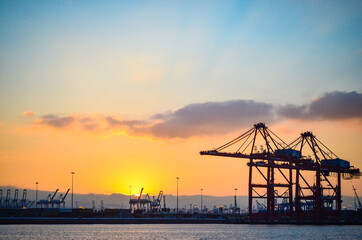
(289,151)
(336,162)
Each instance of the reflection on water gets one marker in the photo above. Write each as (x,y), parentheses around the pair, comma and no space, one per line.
(179,231)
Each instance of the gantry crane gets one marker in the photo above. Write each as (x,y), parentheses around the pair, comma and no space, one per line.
(280,161)
(325,195)
(61,200)
(16,198)
(23,200)
(1,198)
(135,202)
(356,199)
(260,206)
(145,203)
(245,146)
(156,204)
(46,202)
(7,199)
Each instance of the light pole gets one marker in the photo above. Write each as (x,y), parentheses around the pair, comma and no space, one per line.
(201,200)
(72,188)
(235,204)
(177,178)
(36,195)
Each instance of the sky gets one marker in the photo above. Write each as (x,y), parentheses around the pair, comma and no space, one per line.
(126,93)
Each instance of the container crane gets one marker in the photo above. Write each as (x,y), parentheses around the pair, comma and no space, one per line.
(1,198)
(281,161)
(260,206)
(55,193)
(23,200)
(94,206)
(61,200)
(359,207)
(48,200)
(324,163)
(29,203)
(164,202)
(102,206)
(7,199)
(156,204)
(145,203)
(16,198)
(135,202)
(244,146)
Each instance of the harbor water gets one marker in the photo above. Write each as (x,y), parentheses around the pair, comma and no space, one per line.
(180,231)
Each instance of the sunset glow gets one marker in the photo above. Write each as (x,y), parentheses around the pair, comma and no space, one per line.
(128,94)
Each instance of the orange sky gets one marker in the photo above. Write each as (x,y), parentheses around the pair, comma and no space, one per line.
(128,92)
(109,162)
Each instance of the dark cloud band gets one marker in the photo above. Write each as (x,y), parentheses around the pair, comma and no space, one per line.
(55,121)
(213,118)
(330,106)
(210,118)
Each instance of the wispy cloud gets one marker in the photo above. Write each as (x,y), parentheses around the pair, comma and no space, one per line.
(215,118)
(28,113)
(113,122)
(56,121)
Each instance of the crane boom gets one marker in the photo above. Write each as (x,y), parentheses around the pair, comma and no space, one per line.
(355,193)
(54,195)
(65,195)
(159,196)
(139,197)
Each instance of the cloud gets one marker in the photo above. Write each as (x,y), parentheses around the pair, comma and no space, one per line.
(330,106)
(192,120)
(90,126)
(214,118)
(112,121)
(209,118)
(55,121)
(73,122)
(28,113)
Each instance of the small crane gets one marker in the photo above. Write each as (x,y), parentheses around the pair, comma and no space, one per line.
(23,200)
(16,198)
(135,202)
(1,197)
(357,198)
(63,198)
(156,203)
(7,199)
(260,206)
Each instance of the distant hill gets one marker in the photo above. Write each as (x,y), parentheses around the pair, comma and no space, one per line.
(117,200)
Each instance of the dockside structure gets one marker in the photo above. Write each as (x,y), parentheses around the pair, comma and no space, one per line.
(309,200)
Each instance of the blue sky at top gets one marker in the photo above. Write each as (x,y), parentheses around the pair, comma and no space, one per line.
(144,57)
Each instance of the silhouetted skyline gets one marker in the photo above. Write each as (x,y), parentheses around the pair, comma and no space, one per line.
(128,93)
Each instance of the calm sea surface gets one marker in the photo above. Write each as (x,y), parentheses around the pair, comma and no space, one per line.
(179,231)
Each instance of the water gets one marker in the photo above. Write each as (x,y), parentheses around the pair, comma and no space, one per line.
(179,231)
